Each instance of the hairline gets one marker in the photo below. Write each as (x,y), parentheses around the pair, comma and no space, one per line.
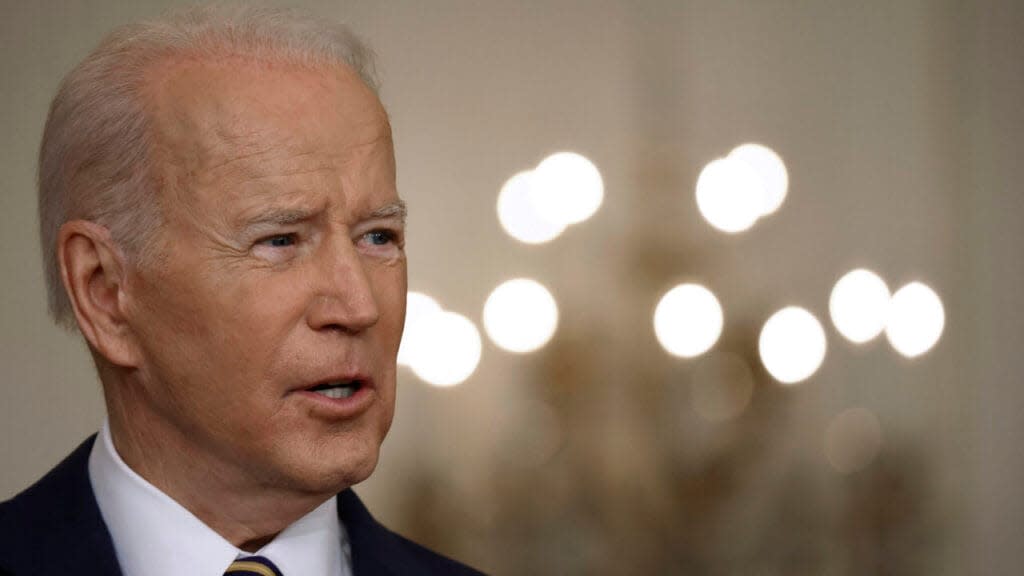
(161,155)
(129,57)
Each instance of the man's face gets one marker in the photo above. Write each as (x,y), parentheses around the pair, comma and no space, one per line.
(269,324)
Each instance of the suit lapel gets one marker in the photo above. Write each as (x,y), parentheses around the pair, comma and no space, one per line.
(375,549)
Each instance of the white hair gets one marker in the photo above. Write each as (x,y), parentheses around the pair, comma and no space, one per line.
(94,160)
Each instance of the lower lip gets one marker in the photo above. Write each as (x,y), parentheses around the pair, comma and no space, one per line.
(340,408)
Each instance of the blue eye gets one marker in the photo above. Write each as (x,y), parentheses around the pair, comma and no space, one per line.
(381,237)
(281,241)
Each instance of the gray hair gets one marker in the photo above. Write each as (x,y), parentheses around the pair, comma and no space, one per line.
(94,161)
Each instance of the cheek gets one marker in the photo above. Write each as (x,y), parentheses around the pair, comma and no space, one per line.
(260,303)
(271,306)
(169,317)
(389,287)
(213,323)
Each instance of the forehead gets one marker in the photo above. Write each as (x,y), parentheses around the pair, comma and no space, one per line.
(235,118)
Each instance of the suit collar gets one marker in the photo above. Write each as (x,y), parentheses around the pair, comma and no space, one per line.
(147,524)
(55,527)
(373,546)
(377,550)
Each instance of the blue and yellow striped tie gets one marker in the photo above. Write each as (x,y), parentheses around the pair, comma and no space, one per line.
(252,566)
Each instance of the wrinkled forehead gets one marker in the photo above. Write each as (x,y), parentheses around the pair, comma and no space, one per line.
(214,117)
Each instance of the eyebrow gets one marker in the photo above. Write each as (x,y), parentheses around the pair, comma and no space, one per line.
(393,210)
(279,218)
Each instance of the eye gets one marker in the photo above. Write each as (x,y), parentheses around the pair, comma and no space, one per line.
(279,241)
(380,237)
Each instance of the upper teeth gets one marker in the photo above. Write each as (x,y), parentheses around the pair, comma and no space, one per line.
(340,392)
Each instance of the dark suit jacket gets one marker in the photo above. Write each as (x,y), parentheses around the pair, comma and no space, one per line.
(55,528)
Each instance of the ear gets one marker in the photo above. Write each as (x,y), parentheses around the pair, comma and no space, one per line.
(93,270)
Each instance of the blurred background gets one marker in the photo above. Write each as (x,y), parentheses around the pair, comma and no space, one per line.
(679,382)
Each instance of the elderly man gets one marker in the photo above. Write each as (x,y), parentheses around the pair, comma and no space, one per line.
(220,220)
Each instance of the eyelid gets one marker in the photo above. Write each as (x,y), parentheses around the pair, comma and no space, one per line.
(393,226)
(383,239)
(392,235)
(268,237)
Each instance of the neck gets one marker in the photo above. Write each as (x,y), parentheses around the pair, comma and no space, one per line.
(245,512)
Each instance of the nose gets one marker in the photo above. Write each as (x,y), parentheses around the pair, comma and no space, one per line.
(344,300)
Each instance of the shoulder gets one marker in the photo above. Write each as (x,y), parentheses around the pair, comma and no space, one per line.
(377,550)
(426,561)
(50,496)
(58,512)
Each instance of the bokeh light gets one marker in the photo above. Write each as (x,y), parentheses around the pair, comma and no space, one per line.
(859,305)
(792,345)
(688,320)
(451,353)
(418,309)
(770,169)
(852,440)
(722,386)
(520,315)
(566,188)
(520,217)
(916,319)
(730,195)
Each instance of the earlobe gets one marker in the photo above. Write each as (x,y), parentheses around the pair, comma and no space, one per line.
(93,270)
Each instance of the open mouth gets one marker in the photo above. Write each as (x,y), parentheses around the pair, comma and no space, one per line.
(338,390)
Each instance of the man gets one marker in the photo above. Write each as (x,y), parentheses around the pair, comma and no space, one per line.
(220,220)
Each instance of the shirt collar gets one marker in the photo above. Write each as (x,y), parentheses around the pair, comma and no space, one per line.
(155,536)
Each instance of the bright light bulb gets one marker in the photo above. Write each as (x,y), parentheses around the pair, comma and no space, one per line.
(792,345)
(567,188)
(730,195)
(859,305)
(770,169)
(418,309)
(520,315)
(452,352)
(852,440)
(520,217)
(916,319)
(688,320)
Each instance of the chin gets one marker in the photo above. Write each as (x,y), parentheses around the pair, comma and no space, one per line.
(354,473)
(329,460)
(338,469)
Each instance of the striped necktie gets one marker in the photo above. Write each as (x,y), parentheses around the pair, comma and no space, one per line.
(252,566)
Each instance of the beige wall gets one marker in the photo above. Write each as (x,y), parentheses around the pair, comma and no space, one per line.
(901,127)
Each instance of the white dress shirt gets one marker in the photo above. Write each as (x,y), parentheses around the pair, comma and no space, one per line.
(155,536)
